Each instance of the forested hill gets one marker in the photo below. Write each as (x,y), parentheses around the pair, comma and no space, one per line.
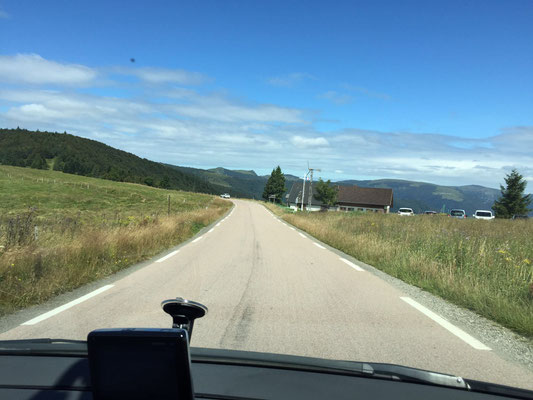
(75,155)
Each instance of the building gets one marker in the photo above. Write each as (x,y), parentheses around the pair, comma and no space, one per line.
(349,198)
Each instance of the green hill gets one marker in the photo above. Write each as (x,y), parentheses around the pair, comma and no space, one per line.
(238,183)
(75,155)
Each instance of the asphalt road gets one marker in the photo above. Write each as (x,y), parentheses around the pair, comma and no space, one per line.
(271,288)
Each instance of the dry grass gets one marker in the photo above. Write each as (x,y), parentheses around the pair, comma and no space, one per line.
(73,247)
(485,266)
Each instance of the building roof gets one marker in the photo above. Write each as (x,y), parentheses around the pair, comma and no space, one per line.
(295,195)
(367,196)
(355,195)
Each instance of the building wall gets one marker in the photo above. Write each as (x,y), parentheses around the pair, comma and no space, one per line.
(344,207)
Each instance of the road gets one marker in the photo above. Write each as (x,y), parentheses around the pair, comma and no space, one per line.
(271,288)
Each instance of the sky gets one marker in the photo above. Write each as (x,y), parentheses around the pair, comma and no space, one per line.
(431,91)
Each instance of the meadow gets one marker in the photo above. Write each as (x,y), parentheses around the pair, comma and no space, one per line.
(484,266)
(60,231)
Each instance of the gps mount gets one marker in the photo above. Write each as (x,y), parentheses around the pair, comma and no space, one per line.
(183,312)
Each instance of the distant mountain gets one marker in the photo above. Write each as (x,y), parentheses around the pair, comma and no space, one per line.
(421,196)
(76,155)
(236,182)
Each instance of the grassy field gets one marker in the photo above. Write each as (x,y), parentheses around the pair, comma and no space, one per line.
(485,266)
(60,231)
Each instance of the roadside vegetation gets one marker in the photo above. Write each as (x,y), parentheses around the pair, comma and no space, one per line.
(485,266)
(60,231)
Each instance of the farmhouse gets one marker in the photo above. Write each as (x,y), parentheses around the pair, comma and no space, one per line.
(349,198)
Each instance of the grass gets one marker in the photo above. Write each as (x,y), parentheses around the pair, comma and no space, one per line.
(485,266)
(60,231)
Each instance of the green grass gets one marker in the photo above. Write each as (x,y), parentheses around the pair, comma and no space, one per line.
(86,229)
(485,266)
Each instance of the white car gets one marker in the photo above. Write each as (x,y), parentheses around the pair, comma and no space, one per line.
(483,214)
(225,196)
(406,212)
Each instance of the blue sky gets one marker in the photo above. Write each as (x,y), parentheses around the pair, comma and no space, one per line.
(433,91)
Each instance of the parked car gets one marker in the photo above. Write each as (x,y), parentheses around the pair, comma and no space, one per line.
(225,196)
(456,213)
(406,212)
(430,212)
(520,216)
(483,214)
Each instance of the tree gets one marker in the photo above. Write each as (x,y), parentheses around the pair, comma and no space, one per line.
(275,185)
(512,200)
(165,183)
(326,193)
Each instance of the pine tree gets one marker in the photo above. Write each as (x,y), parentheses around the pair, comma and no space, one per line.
(512,200)
(275,185)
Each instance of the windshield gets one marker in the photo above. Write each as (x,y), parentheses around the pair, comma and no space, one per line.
(251,156)
(483,214)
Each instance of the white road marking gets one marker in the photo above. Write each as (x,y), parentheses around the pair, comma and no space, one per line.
(64,307)
(351,264)
(302,235)
(197,239)
(218,224)
(319,246)
(210,230)
(476,344)
(168,256)
(292,228)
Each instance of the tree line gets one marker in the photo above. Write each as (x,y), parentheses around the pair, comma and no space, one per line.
(75,155)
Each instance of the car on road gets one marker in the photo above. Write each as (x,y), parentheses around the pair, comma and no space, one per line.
(225,196)
(406,212)
(430,212)
(457,213)
(483,214)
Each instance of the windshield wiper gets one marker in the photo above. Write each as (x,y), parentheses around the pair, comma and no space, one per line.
(44,346)
(408,374)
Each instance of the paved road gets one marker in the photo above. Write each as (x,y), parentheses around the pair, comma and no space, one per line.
(270,288)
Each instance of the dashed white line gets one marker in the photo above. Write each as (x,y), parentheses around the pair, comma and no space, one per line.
(168,256)
(351,264)
(197,239)
(319,246)
(218,224)
(302,235)
(292,228)
(64,307)
(210,230)
(476,344)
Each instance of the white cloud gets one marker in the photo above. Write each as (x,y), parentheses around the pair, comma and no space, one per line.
(336,97)
(289,80)
(164,75)
(189,127)
(367,92)
(33,69)
(307,142)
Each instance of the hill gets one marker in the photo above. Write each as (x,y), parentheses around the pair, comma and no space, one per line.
(236,182)
(422,196)
(59,231)
(76,155)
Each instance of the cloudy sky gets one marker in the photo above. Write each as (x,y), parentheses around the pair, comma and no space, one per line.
(412,90)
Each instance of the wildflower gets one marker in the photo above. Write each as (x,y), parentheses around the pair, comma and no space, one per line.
(507,259)
(527,261)
(12,265)
(502,251)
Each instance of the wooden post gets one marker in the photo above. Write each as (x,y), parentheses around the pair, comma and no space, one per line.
(168,212)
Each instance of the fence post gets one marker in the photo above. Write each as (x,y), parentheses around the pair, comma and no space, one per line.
(168,212)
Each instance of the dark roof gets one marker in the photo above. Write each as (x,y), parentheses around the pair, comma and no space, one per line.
(367,196)
(347,194)
(296,193)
